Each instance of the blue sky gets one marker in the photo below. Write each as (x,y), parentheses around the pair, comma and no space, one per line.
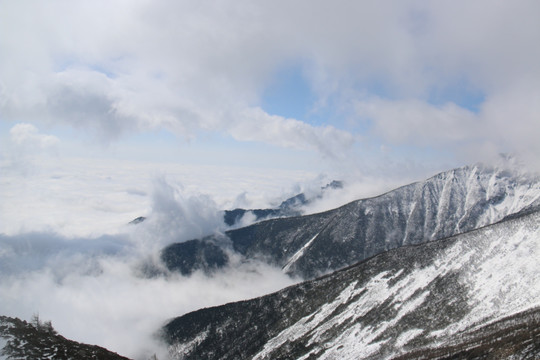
(289,94)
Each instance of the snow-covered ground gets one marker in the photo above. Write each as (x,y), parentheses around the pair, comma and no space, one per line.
(499,267)
(413,298)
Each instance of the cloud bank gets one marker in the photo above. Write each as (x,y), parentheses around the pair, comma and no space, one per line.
(95,290)
(115,68)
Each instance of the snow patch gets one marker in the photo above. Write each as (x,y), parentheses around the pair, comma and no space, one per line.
(3,342)
(306,324)
(298,254)
(487,262)
(178,350)
(407,336)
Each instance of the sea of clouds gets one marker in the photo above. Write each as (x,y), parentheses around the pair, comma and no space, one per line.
(81,267)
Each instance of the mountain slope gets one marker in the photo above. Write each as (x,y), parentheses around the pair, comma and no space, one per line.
(447,204)
(470,294)
(23,340)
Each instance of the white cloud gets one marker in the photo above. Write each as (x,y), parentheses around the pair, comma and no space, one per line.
(83,197)
(119,67)
(513,122)
(413,121)
(26,148)
(256,125)
(28,134)
(506,122)
(95,295)
(177,217)
(490,43)
(171,65)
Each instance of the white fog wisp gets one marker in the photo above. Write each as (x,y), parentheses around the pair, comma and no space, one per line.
(93,289)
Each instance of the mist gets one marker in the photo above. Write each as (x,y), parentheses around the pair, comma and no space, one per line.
(94,290)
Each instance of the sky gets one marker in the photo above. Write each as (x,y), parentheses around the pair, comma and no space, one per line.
(110,110)
(295,85)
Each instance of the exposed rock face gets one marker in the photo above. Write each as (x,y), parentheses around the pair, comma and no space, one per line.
(447,204)
(468,296)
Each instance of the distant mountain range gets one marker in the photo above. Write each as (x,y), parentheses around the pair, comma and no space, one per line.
(447,204)
(474,295)
(288,208)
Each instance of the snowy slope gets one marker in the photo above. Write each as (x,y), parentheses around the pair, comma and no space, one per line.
(445,297)
(22,340)
(447,204)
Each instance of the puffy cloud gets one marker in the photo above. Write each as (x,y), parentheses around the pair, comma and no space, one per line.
(26,147)
(505,123)
(256,125)
(177,216)
(117,67)
(28,135)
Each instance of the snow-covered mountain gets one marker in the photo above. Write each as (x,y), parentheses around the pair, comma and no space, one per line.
(447,204)
(474,295)
(36,340)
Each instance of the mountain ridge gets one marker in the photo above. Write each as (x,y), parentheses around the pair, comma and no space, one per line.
(445,204)
(417,296)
